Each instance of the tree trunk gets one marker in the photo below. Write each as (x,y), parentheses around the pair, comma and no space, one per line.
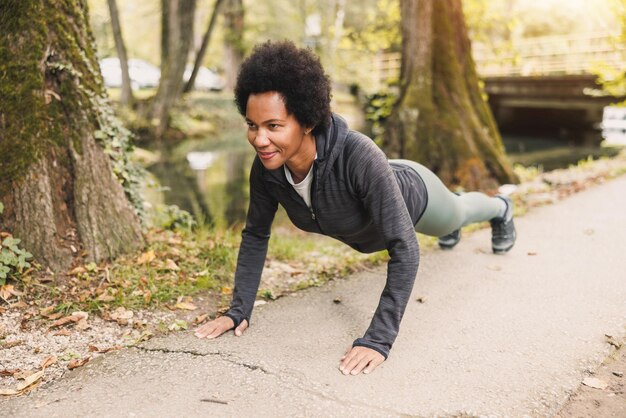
(233,41)
(60,195)
(127,93)
(177,35)
(441,118)
(206,38)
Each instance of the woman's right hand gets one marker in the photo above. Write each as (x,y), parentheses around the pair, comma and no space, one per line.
(218,326)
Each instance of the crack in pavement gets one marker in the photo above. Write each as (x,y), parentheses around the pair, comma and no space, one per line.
(288,378)
(223,356)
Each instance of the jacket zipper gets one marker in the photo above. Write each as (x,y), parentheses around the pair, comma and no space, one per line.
(313,188)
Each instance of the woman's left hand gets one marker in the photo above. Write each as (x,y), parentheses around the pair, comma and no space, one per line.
(360,359)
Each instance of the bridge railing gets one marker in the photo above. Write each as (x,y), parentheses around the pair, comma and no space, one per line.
(546,55)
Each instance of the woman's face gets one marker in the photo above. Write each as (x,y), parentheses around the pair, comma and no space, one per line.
(275,134)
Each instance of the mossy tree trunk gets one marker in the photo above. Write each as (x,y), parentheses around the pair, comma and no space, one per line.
(441,118)
(233,40)
(57,185)
(176,37)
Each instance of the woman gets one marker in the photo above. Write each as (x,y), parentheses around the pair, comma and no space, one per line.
(337,182)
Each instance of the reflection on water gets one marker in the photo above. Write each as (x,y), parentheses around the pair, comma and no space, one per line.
(212,186)
(551,153)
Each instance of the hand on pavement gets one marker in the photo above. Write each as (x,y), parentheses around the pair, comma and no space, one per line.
(359,359)
(218,326)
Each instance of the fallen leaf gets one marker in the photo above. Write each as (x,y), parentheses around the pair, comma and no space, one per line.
(421,299)
(66,320)
(49,361)
(337,300)
(18,305)
(8,372)
(105,297)
(532,253)
(8,392)
(171,265)
(80,315)
(147,296)
(62,333)
(6,291)
(46,311)
(29,380)
(226,290)
(93,348)
(74,363)
(178,325)
(200,318)
(186,306)
(23,374)
(12,344)
(611,340)
(53,316)
(146,257)
(82,325)
(78,270)
(594,382)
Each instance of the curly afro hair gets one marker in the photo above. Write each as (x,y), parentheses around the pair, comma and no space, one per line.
(295,73)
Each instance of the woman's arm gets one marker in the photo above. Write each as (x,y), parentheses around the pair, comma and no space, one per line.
(252,251)
(374,181)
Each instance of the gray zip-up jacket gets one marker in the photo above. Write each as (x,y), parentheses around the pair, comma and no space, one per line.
(357,197)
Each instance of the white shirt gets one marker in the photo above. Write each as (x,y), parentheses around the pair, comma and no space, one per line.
(304,187)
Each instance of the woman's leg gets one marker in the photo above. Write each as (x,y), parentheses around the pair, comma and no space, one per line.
(446,211)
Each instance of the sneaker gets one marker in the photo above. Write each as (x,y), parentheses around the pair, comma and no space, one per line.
(503,230)
(447,242)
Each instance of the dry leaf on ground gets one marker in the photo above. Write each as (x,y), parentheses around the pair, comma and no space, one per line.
(8,372)
(171,265)
(200,318)
(49,361)
(146,257)
(74,363)
(186,306)
(594,382)
(29,380)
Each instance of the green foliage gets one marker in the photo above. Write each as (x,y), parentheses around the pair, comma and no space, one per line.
(117,143)
(378,108)
(172,217)
(12,258)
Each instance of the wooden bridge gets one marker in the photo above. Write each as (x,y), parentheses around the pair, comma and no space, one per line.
(547,82)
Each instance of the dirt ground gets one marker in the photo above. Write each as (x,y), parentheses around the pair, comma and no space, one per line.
(595,402)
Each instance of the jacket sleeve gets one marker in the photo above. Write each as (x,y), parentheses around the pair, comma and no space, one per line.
(253,248)
(374,181)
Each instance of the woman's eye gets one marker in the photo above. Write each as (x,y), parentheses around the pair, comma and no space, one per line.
(273,126)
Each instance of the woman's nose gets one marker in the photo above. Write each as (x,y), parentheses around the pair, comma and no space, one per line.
(260,139)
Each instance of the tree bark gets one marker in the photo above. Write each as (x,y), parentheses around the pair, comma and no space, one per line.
(233,41)
(60,195)
(441,118)
(206,38)
(177,35)
(126,96)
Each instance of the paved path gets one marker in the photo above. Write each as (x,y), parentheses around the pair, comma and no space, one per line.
(499,335)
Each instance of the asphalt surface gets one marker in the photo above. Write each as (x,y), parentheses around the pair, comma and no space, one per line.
(509,335)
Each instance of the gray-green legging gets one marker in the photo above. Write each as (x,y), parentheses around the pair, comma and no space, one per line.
(447,211)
